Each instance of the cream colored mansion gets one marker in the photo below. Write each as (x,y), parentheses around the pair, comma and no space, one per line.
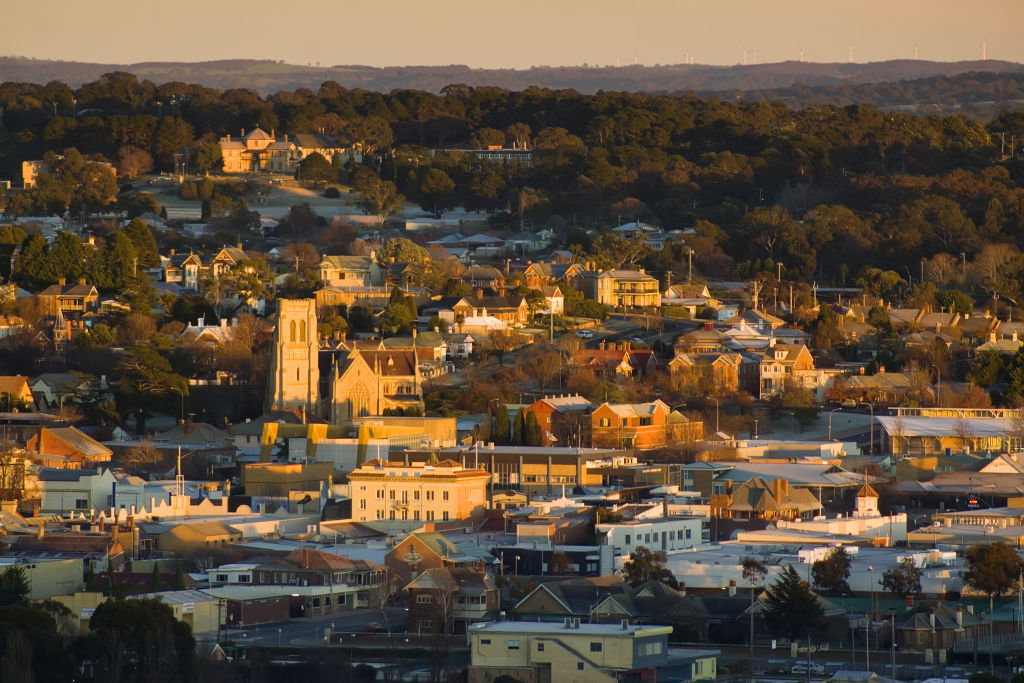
(262,152)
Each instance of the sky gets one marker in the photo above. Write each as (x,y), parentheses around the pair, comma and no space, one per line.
(517,34)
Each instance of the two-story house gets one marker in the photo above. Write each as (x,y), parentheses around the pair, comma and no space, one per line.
(783,364)
(568,651)
(629,425)
(621,288)
(351,270)
(449,599)
(72,301)
(183,269)
(711,372)
(539,274)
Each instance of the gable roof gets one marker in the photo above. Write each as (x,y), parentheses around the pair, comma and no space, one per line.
(74,439)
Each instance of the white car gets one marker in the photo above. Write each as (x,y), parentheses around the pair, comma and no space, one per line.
(584,334)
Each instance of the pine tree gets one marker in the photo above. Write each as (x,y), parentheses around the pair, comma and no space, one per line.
(179,578)
(791,609)
(155,584)
(501,426)
(90,580)
(534,435)
(519,433)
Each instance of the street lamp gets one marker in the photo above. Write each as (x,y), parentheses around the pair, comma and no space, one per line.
(712,398)
(938,384)
(830,422)
(892,638)
(517,565)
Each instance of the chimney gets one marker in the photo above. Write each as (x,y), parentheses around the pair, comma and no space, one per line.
(172,252)
(239,245)
(709,327)
(732,588)
(959,615)
(62,282)
(243,132)
(305,558)
(931,618)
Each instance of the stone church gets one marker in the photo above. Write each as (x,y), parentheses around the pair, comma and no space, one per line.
(336,382)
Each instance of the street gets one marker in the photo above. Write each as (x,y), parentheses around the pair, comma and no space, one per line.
(307,631)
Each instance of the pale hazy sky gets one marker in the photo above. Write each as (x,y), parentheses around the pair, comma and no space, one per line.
(515,33)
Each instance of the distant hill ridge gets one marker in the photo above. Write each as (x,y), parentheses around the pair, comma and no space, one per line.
(267,76)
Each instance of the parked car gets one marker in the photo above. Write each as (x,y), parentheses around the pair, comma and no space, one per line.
(802,668)
(584,334)
(375,627)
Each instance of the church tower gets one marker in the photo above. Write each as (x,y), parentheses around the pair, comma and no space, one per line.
(294,364)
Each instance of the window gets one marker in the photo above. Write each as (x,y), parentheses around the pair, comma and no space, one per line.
(380,514)
(362,503)
(380,494)
(81,503)
(405,514)
(415,514)
(647,538)
(624,422)
(513,644)
(430,495)
(540,647)
(485,641)
(391,515)
(650,648)
(579,666)
(605,422)
(415,495)
(222,577)
(424,599)
(655,536)
(391,494)
(628,539)
(687,533)
(405,496)
(430,515)
(444,495)
(426,623)
(444,515)
(595,647)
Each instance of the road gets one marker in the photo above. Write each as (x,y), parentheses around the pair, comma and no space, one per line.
(306,631)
